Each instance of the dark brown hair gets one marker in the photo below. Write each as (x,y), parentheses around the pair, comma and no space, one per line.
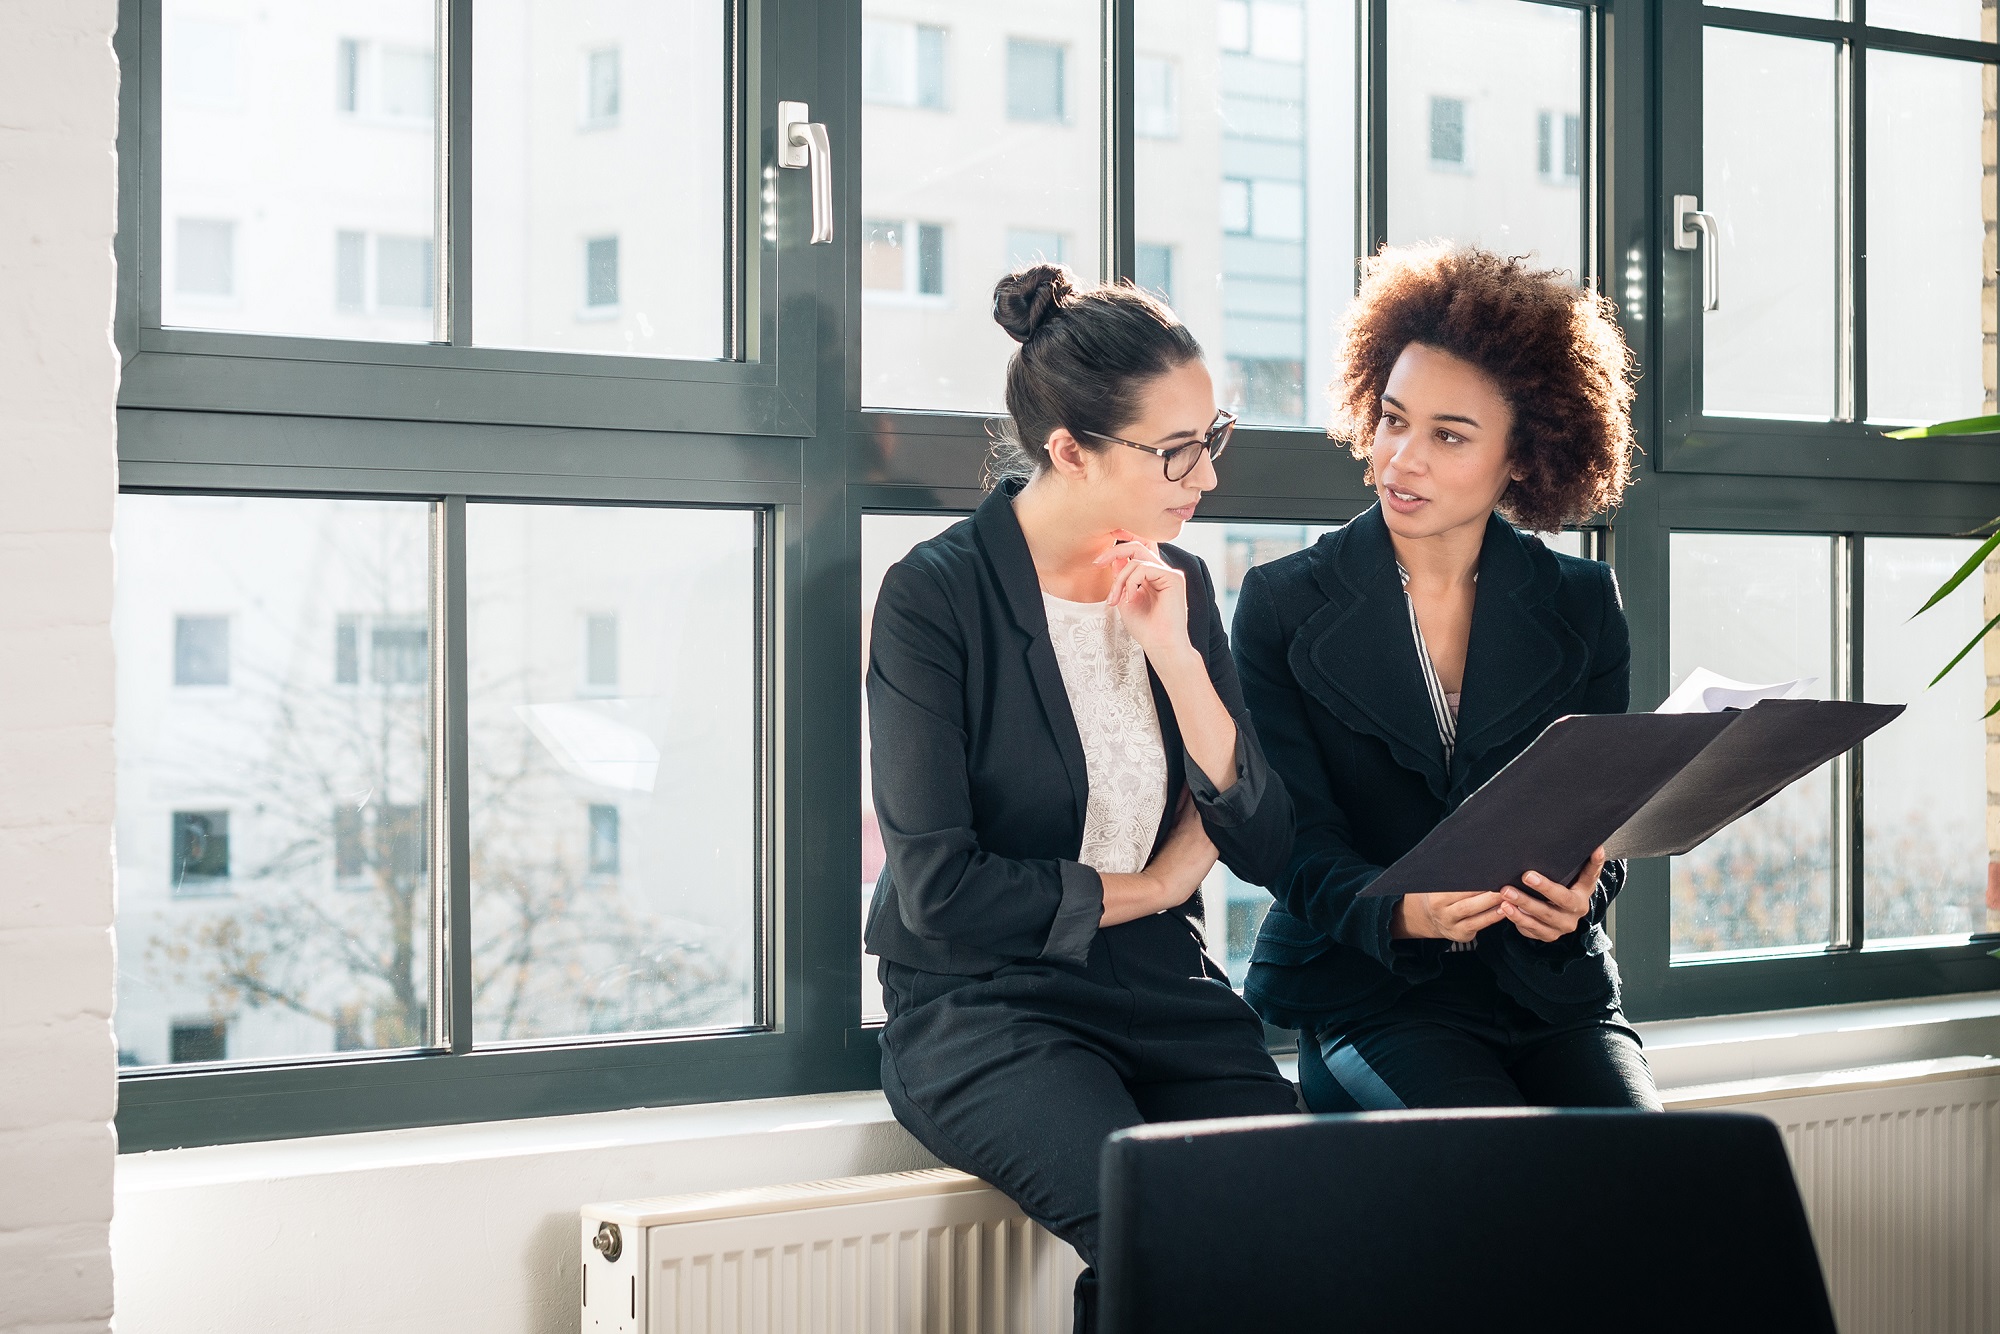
(1554,350)
(1085,355)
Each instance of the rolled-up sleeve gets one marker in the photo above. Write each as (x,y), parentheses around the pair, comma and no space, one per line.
(947,887)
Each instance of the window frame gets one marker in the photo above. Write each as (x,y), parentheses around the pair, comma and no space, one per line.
(784,431)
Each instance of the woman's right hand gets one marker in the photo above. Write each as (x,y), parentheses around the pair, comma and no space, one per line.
(1444,916)
(1170,879)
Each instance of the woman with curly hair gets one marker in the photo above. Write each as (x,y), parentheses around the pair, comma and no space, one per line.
(1406,658)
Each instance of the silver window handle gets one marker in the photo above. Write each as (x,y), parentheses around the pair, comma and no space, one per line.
(802,142)
(1692,226)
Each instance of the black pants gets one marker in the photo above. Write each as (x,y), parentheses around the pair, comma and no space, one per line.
(1460,1041)
(1017,1077)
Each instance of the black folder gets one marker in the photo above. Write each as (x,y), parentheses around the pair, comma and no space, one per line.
(1640,784)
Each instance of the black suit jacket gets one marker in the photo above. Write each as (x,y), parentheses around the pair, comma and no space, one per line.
(1330,670)
(979,774)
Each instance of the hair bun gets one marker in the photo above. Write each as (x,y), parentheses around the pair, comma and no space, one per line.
(1026,299)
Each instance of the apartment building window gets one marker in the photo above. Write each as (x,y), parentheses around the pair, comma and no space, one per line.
(1153,269)
(902,64)
(404,278)
(1156,89)
(1277,210)
(902,257)
(378,838)
(600,653)
(198,1040)
(1448,131)
(1558,137)
(1232,25)
(600,273)
(205,257)
(384,81)
(1028,245)
(201,852)
(601,87)
(603,839)
(1035,90)
(201,650)
(1235,207)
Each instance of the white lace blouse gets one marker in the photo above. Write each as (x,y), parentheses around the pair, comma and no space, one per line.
(1104,674)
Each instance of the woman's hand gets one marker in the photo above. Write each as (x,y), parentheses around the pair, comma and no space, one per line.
(1559,908)
(1151,595)
(1445,916)
(1170,879)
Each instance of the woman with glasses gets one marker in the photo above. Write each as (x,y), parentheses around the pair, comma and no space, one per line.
(1403,660)
(1061,754)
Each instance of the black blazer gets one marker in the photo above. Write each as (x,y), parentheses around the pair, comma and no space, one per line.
(1330,670)
(979,772)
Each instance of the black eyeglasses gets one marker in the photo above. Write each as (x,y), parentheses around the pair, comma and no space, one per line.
(1181,459)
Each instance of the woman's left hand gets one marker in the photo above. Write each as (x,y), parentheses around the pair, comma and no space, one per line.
(1151,595)
(1559,908)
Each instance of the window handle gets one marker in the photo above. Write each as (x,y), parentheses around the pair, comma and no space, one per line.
(1692,226)
(802,142)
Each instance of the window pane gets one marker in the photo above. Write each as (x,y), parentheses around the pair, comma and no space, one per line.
(1928,358)
(600,216)
(885,539)
(1768,175)
(1464,145)
(1024,91)
(1924,787)
(253,902)
(1944,18)
(1233,909)
(283,131)
(562,773)
(1758,609)
(1811,9)
(1275,222)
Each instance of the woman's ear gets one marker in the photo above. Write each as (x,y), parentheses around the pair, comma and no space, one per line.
(1067,456)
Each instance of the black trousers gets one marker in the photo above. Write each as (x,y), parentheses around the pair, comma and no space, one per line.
(1460,1041)
(1018,1076)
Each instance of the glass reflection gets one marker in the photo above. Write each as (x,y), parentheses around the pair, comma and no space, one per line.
(613,786)
(298,150)
(1924,802)
(1927,353)
(1487,140)
(273,741)
(1759,609)
(1769,145)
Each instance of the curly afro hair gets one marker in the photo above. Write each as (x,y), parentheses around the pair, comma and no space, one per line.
(1554,350)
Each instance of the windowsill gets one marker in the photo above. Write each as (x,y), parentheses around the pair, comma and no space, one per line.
(1685,1053)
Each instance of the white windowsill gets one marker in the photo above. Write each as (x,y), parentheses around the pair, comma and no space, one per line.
(1684,1053)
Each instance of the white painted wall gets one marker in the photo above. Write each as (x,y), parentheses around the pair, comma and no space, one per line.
(58,383)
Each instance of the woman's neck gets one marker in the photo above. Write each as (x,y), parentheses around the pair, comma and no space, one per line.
(1443,561)
(1063,541)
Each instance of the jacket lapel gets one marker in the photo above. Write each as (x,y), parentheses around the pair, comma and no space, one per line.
(1523,656)
(1356,654)
(1014,570)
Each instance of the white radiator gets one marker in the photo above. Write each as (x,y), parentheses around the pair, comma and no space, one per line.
(931,1252)
(1899,1166)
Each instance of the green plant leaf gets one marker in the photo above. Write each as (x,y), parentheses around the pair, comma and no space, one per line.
(1984,631)
(1963,426)
(1946,589)
(1990,712)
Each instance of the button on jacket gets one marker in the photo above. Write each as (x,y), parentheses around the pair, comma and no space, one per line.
(1329,667)
(979,776)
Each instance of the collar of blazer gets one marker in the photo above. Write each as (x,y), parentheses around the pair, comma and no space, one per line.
(1006,550)
(1357,657)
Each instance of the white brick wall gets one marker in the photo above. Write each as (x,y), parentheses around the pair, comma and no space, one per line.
(58,380)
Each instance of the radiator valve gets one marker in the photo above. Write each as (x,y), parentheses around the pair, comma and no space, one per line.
(608,1242)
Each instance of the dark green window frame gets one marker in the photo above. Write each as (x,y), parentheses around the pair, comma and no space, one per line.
(781,428)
